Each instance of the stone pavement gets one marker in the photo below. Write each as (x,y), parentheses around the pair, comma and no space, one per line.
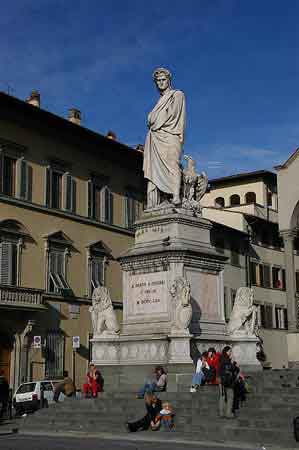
(106,441)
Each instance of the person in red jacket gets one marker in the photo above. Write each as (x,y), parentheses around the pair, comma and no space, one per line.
(213,362)
(95,382)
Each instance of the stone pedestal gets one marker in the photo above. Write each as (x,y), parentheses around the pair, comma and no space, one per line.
(244,352)
(293,350)
(169,244)
(179,349)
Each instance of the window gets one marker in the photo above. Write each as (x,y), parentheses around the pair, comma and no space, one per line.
(15,173)
(57,278)
(266,276)
(9,175)
(253,272)
(277,278)
(100,202)
(269,198)
(267,316)
(219,202)
(69,193)
(90,336)
(55,344)
(259,318)
(235,200)
(281,318)
(235,255)
(233,293)
(97,272)
(60,189)
(250,197)
(226,305)
(56,190)
(131,210)
(219,243)
(283,279)
(8,263)
(74,311)
(260,275)
(97,256)
(297,281)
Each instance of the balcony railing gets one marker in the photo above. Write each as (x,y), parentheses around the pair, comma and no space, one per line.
(20,297)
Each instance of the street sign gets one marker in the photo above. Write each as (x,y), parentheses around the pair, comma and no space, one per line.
(37,342)
(76,342)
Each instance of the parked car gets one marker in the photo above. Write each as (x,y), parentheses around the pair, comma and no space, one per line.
(27,397)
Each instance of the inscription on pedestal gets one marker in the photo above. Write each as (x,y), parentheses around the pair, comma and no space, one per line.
(149,293)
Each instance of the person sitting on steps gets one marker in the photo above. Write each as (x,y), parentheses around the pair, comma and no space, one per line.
(213,361)
(95,382)
(153,407)
(157,385)
(67,387)
(199,377)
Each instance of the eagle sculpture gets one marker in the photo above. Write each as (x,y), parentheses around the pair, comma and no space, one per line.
(194,186)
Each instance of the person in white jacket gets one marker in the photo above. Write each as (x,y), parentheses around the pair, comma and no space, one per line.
(199,375)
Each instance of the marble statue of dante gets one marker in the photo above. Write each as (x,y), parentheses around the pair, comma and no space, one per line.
(164,141)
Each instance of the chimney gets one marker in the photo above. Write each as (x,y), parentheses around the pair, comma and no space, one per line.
(75,116)
(111,135)
(34,99)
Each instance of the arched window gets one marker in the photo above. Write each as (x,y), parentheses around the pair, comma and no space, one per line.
(235,200)
(219,202)
(250,197)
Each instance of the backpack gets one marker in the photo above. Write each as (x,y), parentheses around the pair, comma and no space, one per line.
(227,376)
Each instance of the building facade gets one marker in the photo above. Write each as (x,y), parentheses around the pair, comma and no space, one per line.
(288,224)
(67,211)
(244,211)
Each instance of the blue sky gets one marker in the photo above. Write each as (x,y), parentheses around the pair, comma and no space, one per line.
(237,62)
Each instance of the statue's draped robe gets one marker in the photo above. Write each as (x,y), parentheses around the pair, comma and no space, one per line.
(164,141)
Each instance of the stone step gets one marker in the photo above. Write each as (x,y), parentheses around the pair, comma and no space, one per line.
(229,431)
(116,417)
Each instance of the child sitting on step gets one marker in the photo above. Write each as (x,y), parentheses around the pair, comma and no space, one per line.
(165,419)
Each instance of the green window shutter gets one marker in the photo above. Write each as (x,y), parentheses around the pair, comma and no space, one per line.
(106,205)
(24,180)
(74,195)
(267,279)
(110,207)
(125,211)
(1,171)
(90,199)
(7,263)
(47,188)
(67,192)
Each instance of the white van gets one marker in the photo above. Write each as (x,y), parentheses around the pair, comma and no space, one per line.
(27,397)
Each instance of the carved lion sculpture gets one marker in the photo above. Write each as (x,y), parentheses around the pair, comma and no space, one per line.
(103,317)
(181,292)
(243,319)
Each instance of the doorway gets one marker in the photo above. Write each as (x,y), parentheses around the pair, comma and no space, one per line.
(5,355)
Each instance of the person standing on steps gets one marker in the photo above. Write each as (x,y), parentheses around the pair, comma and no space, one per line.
(228,374)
